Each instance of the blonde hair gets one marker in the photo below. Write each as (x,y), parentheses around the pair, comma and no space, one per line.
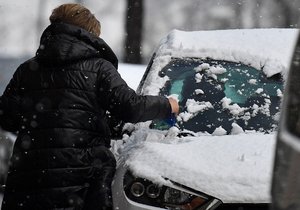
(78,15)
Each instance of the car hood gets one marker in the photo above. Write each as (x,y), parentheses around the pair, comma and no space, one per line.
(232,168)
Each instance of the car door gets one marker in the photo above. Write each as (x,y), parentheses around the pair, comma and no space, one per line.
(286,176)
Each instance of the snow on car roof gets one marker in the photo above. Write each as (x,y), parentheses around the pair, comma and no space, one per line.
(267,49)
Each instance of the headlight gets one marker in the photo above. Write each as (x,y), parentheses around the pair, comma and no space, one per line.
(137,189)
(182,198)
(153,191)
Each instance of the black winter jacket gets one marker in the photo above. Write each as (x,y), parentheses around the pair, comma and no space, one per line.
(57,101)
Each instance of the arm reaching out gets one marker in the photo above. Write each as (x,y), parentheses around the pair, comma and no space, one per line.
(124,103)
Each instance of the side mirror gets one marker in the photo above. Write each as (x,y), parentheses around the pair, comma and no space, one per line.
(286,176)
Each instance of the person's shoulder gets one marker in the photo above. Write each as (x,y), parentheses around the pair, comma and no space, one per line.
(103,64)
(28,65)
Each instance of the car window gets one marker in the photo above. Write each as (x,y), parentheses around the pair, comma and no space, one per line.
(215,94)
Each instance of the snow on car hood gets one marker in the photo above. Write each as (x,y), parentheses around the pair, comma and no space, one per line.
(233,168)
(269,50)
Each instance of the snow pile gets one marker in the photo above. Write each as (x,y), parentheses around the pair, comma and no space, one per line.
(269,50)
(196,106)
(236,129)
(219,131)
(233,168)
(234,109)
(198,77)
(212,71)
(193,108)
(203,66)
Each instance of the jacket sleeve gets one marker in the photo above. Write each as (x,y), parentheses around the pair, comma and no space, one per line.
(124,103)
(9,105)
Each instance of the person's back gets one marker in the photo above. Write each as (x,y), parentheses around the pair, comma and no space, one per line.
(57,101)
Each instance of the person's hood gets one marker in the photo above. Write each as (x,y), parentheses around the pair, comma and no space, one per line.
(232,168)
(63,43)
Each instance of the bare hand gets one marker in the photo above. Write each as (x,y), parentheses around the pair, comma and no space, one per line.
(174,105)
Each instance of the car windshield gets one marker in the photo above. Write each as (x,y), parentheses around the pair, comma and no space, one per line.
(221,96)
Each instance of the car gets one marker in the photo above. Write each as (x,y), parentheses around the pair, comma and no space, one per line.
(285,184)
(219,152)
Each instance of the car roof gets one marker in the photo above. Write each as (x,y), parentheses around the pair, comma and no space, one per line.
(267,49)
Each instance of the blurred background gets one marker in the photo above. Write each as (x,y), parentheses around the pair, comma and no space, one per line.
(144,21)
(133,28)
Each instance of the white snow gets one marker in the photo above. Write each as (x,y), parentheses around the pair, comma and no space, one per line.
(259,90)
(279,93)
(236,129)
(252,81)
(199,91)
(234,109)
(198,77)
(216,70)
(269,50)
(219,131)
(233,168)
(193,108)
(202,67)
(196,106)
(185,116)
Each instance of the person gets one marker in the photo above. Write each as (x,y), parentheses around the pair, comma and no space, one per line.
(57,102)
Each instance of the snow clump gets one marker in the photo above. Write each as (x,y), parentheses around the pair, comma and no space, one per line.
(193,108)
(199,91)
(236,129)
(219,131)
(252,81)
(234,109)
(198,77)
(196,106)
(203,66)
(259,90)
